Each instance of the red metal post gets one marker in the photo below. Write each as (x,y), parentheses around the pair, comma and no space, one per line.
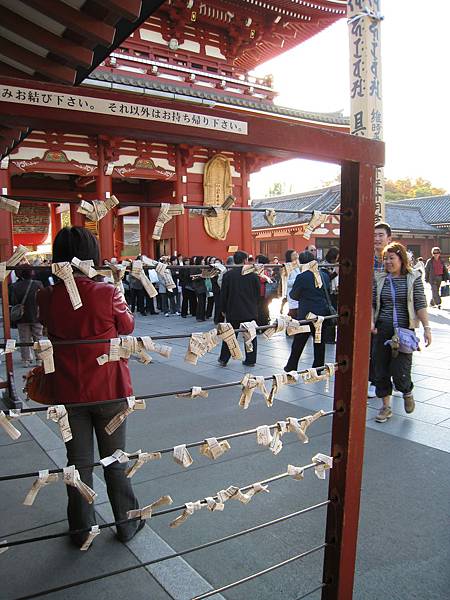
(350,396)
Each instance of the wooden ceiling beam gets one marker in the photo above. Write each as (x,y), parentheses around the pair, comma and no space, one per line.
(41,65)
(81,23)
(127,9)
(9,71)
(72,53)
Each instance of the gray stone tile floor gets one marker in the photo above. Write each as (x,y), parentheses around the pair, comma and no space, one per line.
(402,544)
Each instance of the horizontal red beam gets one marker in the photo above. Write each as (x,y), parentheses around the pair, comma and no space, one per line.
(266,135)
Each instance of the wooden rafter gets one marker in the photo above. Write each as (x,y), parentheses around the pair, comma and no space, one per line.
(72,53)
(75,20)
(41,65)
(129,10)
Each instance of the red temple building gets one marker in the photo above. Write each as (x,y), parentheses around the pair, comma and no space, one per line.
(186,64)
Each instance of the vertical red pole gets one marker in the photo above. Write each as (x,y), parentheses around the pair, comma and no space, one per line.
(105,225)
(6,249)
(145,229)
(182,221)
(246,217)
(350,396)
(55,220)
(6,231)
(120,237)
(76,219)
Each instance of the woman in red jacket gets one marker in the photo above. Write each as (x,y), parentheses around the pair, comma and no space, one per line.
(78,378)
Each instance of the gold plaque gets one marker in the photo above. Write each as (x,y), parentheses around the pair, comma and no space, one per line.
(217,185)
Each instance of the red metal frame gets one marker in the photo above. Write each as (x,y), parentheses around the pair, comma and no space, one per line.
(358,157)
(350,392)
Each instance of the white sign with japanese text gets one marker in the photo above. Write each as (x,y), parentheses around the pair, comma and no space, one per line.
(87,104)
(366,118)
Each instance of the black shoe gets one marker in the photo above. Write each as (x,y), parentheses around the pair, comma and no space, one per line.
(125,539)
(184,316)
(222,363)
(246,364)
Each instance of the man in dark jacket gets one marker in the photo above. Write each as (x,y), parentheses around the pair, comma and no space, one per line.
(239,303)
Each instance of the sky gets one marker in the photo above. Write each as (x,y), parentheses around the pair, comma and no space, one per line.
(416,94)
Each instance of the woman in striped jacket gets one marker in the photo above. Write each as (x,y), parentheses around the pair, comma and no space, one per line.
(411,308)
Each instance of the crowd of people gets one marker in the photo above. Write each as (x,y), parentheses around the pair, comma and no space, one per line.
(206,289)
(39,300)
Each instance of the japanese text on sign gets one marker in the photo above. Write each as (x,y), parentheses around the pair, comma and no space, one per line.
(132,110)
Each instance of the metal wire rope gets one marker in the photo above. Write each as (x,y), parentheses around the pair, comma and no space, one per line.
(226,538)
(158,205)
(178,336)
(215,386)
(135,455)
(259,573)
(165,337)
(5,544)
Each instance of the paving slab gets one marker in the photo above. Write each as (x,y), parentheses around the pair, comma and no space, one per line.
(395,494)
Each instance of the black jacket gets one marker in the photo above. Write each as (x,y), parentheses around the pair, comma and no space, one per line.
(239,295)
(310,298)
(17,294)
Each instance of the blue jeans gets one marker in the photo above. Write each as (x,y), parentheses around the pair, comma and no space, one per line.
(80,452)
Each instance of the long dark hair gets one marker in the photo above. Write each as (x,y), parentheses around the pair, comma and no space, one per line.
(75,241)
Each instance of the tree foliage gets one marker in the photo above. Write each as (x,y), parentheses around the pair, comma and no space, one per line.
(410,188)
(279,188)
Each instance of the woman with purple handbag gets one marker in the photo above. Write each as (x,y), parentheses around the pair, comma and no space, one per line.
(399,304)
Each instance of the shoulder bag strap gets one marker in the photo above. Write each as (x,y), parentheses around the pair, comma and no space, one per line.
(327,295)
(24,299)
(394,309)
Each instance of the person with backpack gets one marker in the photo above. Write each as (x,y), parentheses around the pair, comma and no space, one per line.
(25,313)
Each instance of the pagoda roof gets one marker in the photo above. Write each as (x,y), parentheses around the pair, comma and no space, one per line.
(400,217)
(213,97)
(434,209)
(324,199)
(259,30)
(299,21)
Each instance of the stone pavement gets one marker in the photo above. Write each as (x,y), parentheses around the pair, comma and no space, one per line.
(404,509)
